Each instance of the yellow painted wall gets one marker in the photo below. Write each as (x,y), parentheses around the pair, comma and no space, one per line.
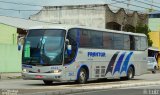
(155,37)
(10,57)
(8,34)
(154,26)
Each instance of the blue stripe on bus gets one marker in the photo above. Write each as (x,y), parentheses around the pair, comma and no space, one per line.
(111,63)
(119,62)
(125,64)
(27,66)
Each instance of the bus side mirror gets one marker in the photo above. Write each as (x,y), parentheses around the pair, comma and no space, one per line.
(69,49)
(20,43)
(19,47)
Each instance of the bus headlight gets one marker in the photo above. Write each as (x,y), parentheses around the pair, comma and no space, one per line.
(24,70)
(56,71)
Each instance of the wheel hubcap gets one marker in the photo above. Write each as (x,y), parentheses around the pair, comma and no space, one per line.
(82,76)
(130,74)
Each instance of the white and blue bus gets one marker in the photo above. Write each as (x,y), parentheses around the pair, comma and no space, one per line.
(75,53)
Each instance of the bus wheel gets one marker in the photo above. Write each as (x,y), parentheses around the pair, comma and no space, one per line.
(130,73)
(154,70)
(47,82)
(82,76)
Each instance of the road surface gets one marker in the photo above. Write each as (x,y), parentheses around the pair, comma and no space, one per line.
(33,86)
(139,90)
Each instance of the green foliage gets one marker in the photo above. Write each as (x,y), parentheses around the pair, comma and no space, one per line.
(145,30)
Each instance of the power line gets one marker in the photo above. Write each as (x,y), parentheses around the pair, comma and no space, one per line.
(128,5)
(43,6)
(147,3)
(19,10)
(134,5)
(40,5)
(16,9)
(152,5)
(51,10)
(29,19)
(117,2)
(153,2)
(57,8)
(20,3)
(127,9)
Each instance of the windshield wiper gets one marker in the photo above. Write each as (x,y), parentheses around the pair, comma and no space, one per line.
(31,61)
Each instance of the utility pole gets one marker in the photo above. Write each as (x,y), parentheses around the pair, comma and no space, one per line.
(128,6)
(152,6)
(127,12)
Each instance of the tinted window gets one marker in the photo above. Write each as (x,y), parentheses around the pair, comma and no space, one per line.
(96,39)
(143,43)
(126,42)
(137,43)
(72,37)
(108,40)
(73,34)
(154,16)
(118,41)
(132,42)
(46,44)
(84,38)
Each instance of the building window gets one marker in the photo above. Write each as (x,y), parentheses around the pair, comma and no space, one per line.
(154,15)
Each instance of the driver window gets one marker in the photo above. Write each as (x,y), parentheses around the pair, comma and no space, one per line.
(72,37)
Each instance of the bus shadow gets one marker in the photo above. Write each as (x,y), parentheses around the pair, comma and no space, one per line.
(88,83)
(111,80)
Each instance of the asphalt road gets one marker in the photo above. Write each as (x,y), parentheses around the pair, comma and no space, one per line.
(139,90)
(33,86)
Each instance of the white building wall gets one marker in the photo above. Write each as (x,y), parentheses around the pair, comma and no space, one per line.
(93,16)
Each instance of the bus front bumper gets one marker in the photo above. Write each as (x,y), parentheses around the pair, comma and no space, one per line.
(42,76)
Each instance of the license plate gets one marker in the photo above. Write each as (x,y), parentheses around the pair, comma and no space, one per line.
(39,76)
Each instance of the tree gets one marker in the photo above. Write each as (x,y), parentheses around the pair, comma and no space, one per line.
(145,30)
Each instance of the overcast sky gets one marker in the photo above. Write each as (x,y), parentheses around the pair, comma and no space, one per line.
(4,4)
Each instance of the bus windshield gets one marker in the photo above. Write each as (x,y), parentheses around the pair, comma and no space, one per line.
(44,47)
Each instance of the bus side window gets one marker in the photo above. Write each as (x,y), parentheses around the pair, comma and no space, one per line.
(127,44)
(108,40)
(132,42)
(72,36)
(85,38)
(143,43)
(137,43)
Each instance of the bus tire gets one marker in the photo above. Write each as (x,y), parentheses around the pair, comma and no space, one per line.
(154,70)
(82,77)
(130,73)
(47,82)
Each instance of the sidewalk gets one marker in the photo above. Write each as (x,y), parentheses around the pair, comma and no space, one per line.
(5,76)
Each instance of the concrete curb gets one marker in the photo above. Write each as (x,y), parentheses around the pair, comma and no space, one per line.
(89,88)
(6,76)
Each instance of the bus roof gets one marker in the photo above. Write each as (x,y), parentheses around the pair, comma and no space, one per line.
(67,27)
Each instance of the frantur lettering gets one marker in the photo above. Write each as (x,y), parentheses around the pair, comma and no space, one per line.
(96,54)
